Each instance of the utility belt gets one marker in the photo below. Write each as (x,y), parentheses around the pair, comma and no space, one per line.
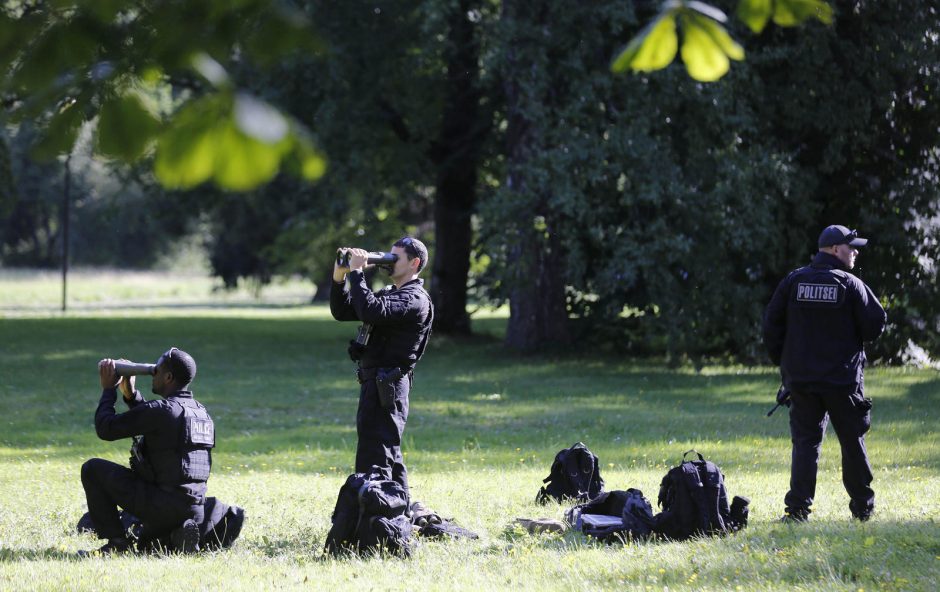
(364,375)
(180,489)
(386,381)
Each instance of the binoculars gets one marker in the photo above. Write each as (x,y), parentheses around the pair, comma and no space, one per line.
(374,258)
(124,368)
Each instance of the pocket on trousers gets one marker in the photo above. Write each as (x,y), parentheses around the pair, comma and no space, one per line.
(387,384)
(862,404)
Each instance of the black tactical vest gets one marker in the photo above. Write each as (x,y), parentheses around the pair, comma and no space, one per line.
(190,461)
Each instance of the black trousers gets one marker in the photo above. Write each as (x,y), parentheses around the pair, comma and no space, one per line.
(109,485)
(851,419)
(380,429)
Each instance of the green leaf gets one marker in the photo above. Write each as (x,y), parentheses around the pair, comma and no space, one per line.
(207,140)
(789,13)
(243,162)
(59,136)
(62,48)
(706,47)
(186,151)
(259,120)
(653,49)
(755,13)
(125,128)
(311,164)
(707,10)
(211,70)
(721,37)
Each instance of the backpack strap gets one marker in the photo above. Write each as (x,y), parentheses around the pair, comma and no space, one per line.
(697,453)
(714,495)
(696,488)
(362,510)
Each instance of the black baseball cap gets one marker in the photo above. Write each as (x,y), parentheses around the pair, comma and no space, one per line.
(181,365)
(415,249)
(840,235)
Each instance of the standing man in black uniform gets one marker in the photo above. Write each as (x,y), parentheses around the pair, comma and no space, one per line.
(170,457)
(814,328)
(396,326)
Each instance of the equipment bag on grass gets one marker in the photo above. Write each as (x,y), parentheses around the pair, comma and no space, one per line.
(614,515)
(694,501)
(370,516)
(428,523)
(575,474)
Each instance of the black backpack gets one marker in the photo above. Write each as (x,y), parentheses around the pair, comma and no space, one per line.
(574,474)
(630,507)
(694,501)
(370,516)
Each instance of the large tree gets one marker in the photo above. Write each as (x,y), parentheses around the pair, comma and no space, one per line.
(401,113)
(672,207)
(651,211)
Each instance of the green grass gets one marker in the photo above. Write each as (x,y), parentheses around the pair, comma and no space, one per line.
(484,427)
(88,290)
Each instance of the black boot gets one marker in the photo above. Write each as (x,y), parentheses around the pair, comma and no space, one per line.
(185,539)
(793,515)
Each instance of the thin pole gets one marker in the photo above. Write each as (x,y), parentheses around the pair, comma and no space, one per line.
(65,230)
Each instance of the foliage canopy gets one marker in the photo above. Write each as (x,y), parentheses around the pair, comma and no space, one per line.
(69,63)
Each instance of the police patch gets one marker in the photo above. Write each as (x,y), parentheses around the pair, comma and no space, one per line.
(201,431)
(827,293)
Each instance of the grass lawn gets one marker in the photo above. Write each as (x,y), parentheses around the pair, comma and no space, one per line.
(484,428)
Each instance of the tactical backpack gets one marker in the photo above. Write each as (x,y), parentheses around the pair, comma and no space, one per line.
(694,501)
(628,516)
(574,474)
(370,516)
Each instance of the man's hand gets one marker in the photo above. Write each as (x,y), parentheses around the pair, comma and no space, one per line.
(107,374)
(358,259)
(339,273)
(127,385)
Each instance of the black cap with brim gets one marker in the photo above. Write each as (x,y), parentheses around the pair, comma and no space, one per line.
(840,235)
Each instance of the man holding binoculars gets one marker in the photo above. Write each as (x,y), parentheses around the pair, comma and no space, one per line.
(396,324)
(170,457)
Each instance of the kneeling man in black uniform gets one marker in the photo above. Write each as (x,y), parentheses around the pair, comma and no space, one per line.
(170,456)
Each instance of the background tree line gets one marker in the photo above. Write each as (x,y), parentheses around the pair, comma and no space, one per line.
(652,214)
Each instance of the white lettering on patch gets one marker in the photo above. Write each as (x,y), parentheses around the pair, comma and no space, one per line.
(828,293)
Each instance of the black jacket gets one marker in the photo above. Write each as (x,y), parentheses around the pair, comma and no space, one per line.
(161,422)
(816,324)
(401,319)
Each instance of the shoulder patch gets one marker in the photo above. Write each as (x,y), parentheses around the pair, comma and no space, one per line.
(826,293)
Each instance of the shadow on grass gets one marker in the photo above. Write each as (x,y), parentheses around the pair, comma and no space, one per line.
(8,555)
(802,548)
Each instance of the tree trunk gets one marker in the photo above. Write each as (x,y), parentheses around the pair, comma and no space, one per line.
(538,318)
(537,313)
(456,154)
